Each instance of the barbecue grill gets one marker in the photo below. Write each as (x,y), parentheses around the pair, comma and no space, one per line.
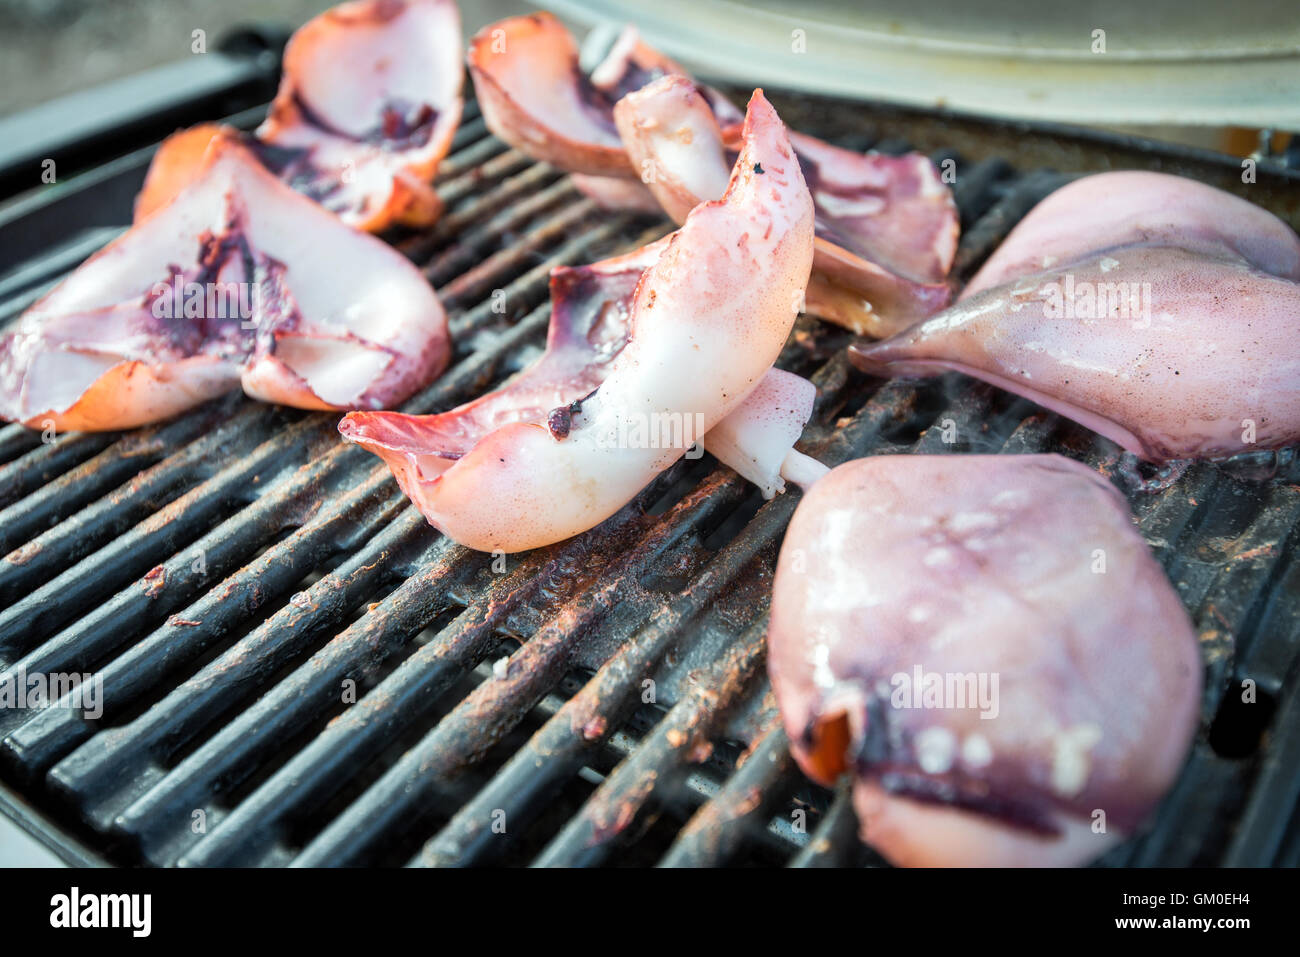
(298,670)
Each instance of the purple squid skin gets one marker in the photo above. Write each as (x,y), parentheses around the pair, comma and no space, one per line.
(1027,568)
(1202,362)
(1132,207)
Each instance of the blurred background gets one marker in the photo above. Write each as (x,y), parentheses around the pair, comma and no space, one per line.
(1202,72)
(52,47)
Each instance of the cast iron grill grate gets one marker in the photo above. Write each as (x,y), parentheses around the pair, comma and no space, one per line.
(299,671)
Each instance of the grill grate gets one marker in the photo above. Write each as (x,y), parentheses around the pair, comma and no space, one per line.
(232,573)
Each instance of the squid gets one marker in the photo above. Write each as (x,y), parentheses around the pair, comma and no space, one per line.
(887,226)
(987,646)
(535,96)
(646,354)
(366,110)
(238,280)
(1154,310)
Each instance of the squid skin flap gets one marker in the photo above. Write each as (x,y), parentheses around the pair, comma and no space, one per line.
(238,281)
(367,108)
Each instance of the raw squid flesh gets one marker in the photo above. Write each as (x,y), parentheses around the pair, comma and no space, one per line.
(238,280)
(683,330)
(886,225)
(1157,311)
(988,646)
(590,311)
(366,110)
(535,96)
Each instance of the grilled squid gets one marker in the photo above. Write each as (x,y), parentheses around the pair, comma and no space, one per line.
(886,225)
(987,645)
(535,96)
(590,312)
(367,107)
(669,340)
(1160,313)
(238,280)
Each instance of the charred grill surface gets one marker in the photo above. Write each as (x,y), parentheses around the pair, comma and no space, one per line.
(298,670)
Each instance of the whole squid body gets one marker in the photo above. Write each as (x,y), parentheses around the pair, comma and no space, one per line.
(987,645)
(1159,312)
(886,225)
(704,322)
(366,110)
(238,280)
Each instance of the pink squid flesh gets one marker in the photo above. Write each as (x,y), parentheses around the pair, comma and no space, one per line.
(682,331)
(987,645)
(238,280)
(1156,311)
(366,110)
(535,96)
(590,324)
(886,226)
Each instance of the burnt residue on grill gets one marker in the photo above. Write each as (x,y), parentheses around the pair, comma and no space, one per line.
(287,646)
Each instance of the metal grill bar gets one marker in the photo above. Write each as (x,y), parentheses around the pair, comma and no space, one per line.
(53,503)
(834,843)
(495,707)
(402,698)
(659,761)
(342,526)
(746,802)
